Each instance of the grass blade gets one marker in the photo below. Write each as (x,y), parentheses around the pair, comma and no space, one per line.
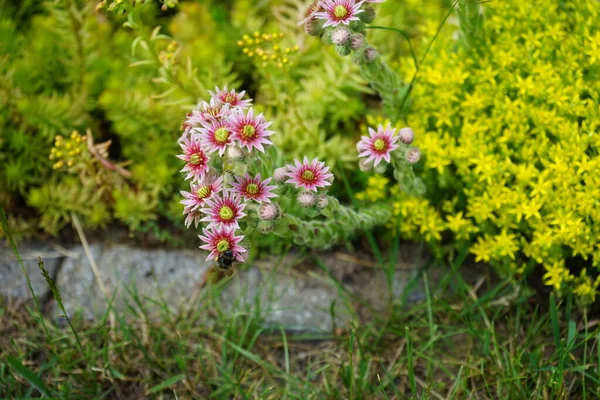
(410,361)
(27,374)
(165,384)
(58,298)
(4,225)
(554,319)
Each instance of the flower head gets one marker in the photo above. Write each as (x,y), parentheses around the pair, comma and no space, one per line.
(195,198)
(309,175)
(220,239)
(254,188)
(311,10)
(217,136)
(230,98)
(339,11)
(378,145)
(207,113)
(249,130)
(192,120)
(196,160)
(224,210)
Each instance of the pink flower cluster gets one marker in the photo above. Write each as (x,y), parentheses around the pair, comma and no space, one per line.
(216,134)
(226,121)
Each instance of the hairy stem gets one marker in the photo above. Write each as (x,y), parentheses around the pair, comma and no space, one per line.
(341,223)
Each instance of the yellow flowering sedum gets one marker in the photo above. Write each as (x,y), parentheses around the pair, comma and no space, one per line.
(266,49)
(376,189)
(510,134)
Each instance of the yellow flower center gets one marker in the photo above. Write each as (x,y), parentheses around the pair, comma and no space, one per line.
(221,135)
(223,245)
(252,188)
(204,191)
(214,111)
(230,99)
(340,11)
(308,175)
(379,144)
(195,159)
(248,131)
(226,213)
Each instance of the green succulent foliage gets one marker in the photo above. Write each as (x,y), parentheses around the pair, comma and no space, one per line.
(68,68)
(130,73)
(57,201)
(133,208)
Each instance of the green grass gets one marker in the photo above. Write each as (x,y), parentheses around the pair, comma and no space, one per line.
(488,340)
(463,341)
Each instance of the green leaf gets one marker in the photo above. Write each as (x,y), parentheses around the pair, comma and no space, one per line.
(554,320)
(27,374)
(171,381)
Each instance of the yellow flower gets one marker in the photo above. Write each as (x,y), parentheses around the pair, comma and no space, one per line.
(462,227)
(482,249)
(556,275)
(586,288)
(376,189)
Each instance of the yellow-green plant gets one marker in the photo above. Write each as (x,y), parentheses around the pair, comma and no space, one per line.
(510,130)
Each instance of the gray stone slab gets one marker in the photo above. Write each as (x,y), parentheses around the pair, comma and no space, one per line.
(297,297)
(156,277)
(288,298)
(13,283)
(364,278)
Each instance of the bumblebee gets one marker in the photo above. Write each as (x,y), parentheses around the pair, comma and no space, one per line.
(225,261)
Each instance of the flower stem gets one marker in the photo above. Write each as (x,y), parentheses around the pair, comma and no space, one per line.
(341,223)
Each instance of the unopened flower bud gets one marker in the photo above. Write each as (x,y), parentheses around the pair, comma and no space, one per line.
(406,135)
(307,199)
(358,59)
(269,211)
(322,201)
(244,256)
(358,26)
(314,27)
(245,244)
(370,55)
(413,156)
(265,227)
(368,15)
(340,35)
(365,165)
(343,50)
(234,152)
(280,174)
(357,41)
(380,168)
